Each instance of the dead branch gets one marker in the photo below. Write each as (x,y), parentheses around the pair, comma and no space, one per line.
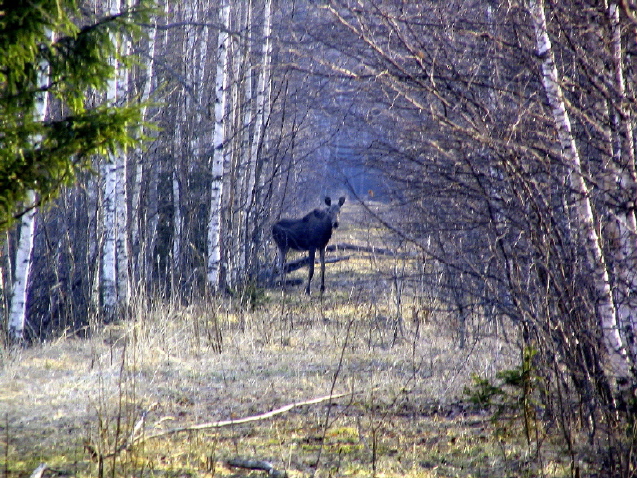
(37,473)
(370,249)
(304,261)
(225,423)
(257,465)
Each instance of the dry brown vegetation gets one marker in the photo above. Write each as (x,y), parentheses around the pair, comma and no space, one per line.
(74,403)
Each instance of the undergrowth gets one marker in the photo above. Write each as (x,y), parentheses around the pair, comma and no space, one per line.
(112,404)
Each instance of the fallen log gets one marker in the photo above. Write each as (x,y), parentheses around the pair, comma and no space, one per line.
(305,261)
(256,465)
(370,249)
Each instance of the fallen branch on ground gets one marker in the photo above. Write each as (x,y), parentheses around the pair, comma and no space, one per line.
(141,438)
(304,261)
(257,465)
(39,471)
(371,249)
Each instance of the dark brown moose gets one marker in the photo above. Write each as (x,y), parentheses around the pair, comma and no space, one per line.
(310,233)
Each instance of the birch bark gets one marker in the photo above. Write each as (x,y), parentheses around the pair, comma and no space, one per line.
(17,313)
(19,290)
(108,272)
(187,11)
(621,172)
(263,107)
(121,190)
(221,89)
(583,213)
(249,165)
(175,266)
(114,275)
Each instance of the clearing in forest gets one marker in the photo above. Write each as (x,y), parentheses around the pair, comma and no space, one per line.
(106,405)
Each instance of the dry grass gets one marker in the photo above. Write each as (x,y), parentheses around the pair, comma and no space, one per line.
(369,336)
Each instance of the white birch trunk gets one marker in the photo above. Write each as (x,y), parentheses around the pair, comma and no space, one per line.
(115,257)
(108,270)
(245,161)
(621,171)
(221,89)
(17,313)
(177,218)
(238,163)
(19,290)
(187,11)
(583,213)
(263,87)
(122,244)
(263,105)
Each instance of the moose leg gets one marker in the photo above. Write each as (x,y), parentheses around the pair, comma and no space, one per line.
(322,256)
(312,255)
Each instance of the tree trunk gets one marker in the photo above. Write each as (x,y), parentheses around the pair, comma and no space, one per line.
(18,310)
(137,256)
(175,263)
(252,238)
(17,313)
(108,272)
(115,258)
(623,226)
(582,216)
(221,88)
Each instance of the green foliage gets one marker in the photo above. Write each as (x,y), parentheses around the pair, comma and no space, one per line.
(251,296)
(513,397)
(484,393)
(40,36)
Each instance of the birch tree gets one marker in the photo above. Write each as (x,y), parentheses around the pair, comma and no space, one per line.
(38,157)
(262,108)
(123,244)
(582,217)
(623,172)
(219,143)
(17,313)
(115,281)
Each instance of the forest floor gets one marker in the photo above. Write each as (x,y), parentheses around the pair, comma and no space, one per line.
(109,405)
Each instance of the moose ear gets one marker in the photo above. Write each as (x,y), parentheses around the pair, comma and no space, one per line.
(328,201)
(341,200)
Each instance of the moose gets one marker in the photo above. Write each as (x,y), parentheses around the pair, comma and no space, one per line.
(310,233)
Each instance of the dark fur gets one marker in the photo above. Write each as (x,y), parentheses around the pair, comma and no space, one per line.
(310,233)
